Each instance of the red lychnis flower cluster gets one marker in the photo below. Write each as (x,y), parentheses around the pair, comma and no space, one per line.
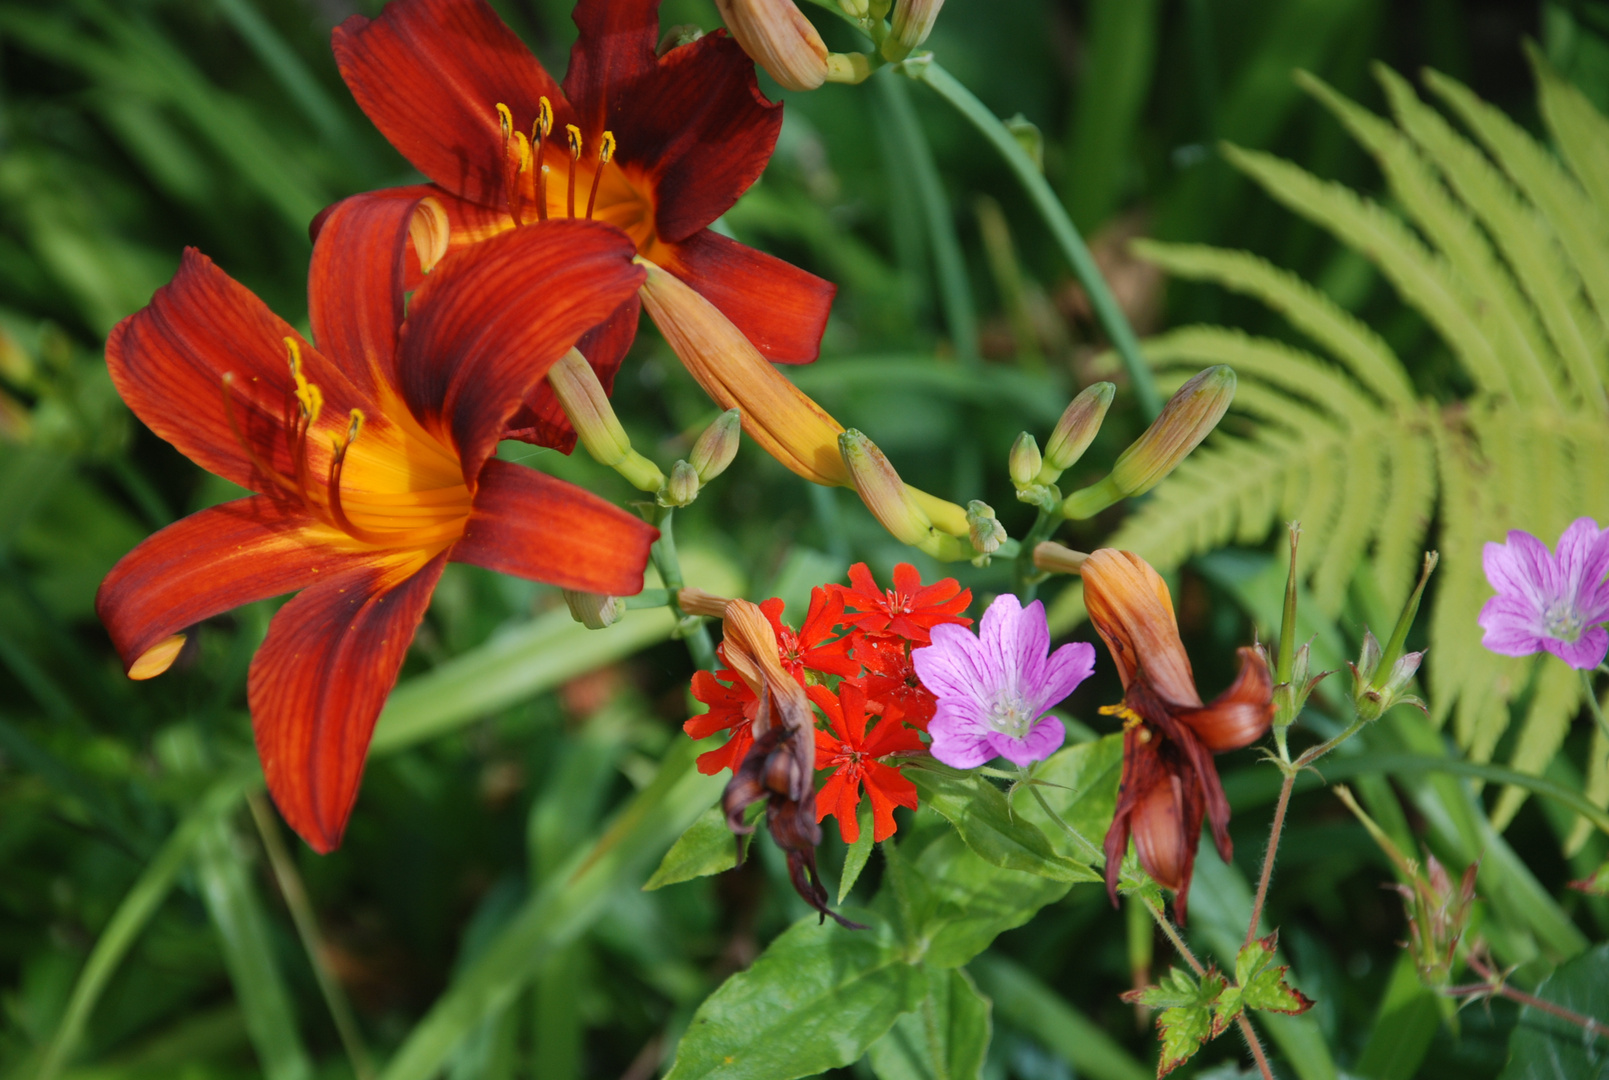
(875,710)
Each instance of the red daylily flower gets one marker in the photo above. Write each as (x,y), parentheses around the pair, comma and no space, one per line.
(1169,780)
(371,457)
(853,756)
(656,146)
(910,609)
(812,647)
(890,678)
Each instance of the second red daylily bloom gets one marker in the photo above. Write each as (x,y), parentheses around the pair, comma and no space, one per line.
(910,609)
(855,760)
(658,146)
(372,458)
(1169,736)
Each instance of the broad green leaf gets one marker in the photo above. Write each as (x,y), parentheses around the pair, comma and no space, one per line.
(859,852)
(1079,783)
(990,827)
(707,847)
(815,1000)
(1547,1047)
(944,1038)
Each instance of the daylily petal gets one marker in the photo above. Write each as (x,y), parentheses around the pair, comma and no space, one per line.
(430,74)
(1128,603)
(615,49)
(541,420)
(1241,714)
(532,525)
(318,683)
(212,561)
(169,362)
(489,322)
(777,306)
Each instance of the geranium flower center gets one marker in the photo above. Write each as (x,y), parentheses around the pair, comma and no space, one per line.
(1562,621)
(548,177)
(1011,714)
(400,489)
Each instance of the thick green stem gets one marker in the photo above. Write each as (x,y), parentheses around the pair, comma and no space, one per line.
(1025,574)
(669,566)
(1592,703)
(1113,321)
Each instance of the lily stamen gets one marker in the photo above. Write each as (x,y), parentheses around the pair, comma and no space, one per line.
(574,134)
(539,133)
(606,151)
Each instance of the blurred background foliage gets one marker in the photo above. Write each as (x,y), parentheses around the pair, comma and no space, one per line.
(486,860)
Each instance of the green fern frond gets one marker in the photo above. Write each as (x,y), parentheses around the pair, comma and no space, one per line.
(1554,704)
(1579,129)
(1297,373)
(1419,275)
(1332,327)
(1253,399)
(1525,241)
(1363,485)
(1577,221)
(1409,501)
(1504,318)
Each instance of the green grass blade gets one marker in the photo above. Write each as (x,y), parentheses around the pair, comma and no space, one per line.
(288,69)
(1024,1002)
(1116,82)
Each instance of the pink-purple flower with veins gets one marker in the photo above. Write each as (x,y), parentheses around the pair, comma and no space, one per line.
(1547,601)
(994,689)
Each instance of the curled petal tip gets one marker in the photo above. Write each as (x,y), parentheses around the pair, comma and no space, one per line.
(158,658)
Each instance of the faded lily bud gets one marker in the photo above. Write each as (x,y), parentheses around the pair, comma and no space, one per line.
(698,602)
(594,610)
(891,502)
(717,446)
(681,488)
(1076,430)
(913,21)
(780,39)
(1025,460)
(985,532)
(586,404)
(1053,558)
(1187,418)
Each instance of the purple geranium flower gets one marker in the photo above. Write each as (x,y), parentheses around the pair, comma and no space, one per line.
(993,689)
(1552,602)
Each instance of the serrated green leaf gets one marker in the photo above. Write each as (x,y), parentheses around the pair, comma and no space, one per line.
(1545,1047)
(945,1038)
(990,827)
(814,1000)
(859,852)
(1269,992)
(707,847)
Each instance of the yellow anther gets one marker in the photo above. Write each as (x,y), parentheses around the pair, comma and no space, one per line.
(522,150)
(505,120)
(1130,718)
(574,135)
(544,117)
(606,151)
(309,396)
(354,424)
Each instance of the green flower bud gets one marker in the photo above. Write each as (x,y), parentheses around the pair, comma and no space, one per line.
(681,488)
(1025,460)
(1076,430)
(893,503)
(983,529)
(594,610)
(717,446)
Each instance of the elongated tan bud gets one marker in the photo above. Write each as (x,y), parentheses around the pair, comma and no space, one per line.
(882,490)
(913,21)
(717,446)
(1188,417)
(698,602)
(1076,429)
(780,39)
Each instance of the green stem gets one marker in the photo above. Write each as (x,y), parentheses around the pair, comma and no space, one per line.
(955,292)
(1024,573)
(1093,853)
(1113,321)
(1592,703)
(670,572)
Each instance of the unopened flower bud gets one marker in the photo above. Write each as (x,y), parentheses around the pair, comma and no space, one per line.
(882,490)
(682,486)
(717,446)
(586,403)
(855,9)
(1187,418)
(1075,430)
(913,21)
(985,532)
(1025,460)
(594,611)
(1053,558)
(780,39)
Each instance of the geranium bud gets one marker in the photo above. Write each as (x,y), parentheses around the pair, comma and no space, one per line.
(594,610)
(717,446)
(1053,558)
(985,532)
(1076,430)
(1025,460)
(780,39)
(682,486)
(913,21)
(1187,418)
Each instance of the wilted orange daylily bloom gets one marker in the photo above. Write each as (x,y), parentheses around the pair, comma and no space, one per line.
(658,146)
(372,459)
(1169,781)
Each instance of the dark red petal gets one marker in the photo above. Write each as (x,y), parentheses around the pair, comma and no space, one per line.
(168,362)
(614,52)
(827,702)
(1241,714)
(490,320)
(210,562)
(531,525)
(318,683)
(430,74)
(540,420)
(355,283)
(779,307)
